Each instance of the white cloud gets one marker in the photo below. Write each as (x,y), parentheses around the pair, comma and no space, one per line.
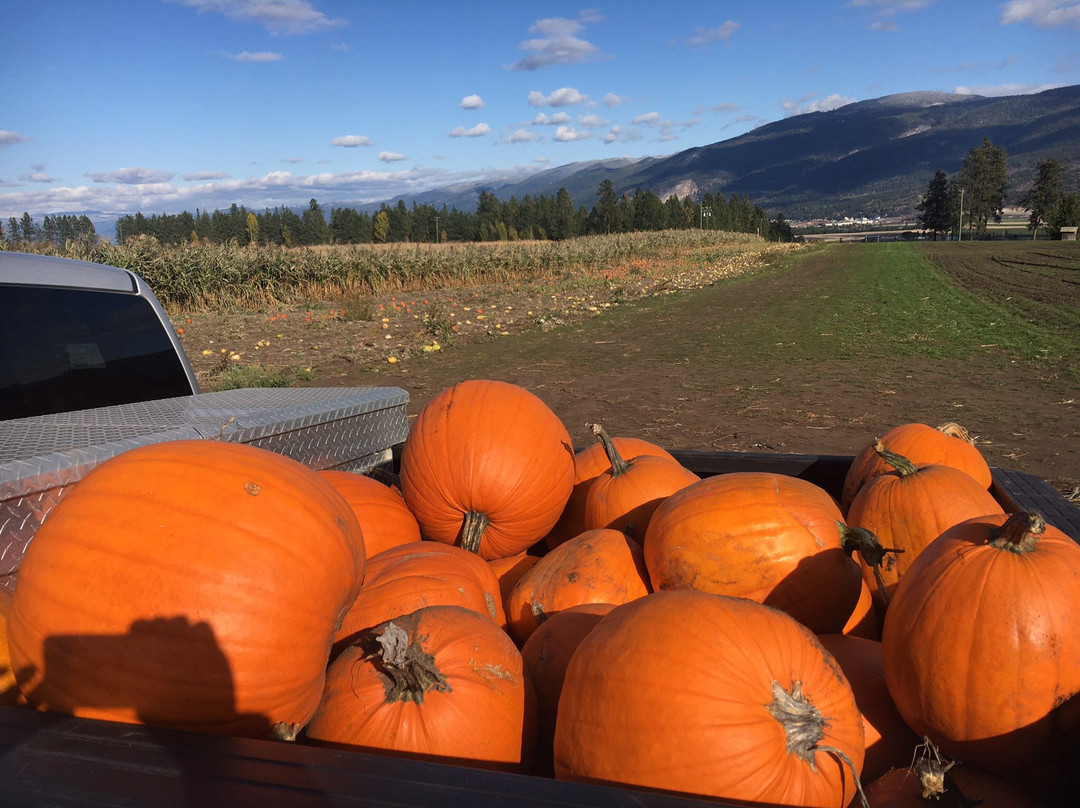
(292,159)
(11,138)
(648,119)
(471,102)
(884,25)
(521,136)
(260,56)
(131,176)
(557,43)
(619,134)
(1041,13)
(203,176)
(808,103)
(567,134)
(543,119)
(390,157)
(703,37)
(37,176)
(352,141)
(563,97)
(479,130)
(593,120)
(277,16)
(886,9)
(1006,89)
(612,100)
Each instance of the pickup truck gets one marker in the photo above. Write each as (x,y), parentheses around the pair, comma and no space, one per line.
(90,366)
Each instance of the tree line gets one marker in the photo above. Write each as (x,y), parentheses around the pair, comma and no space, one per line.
(977,194)
(54,230)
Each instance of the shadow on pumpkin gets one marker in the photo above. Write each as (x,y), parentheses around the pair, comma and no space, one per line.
(821,592)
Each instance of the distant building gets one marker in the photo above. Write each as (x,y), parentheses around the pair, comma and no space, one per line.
(1068,234)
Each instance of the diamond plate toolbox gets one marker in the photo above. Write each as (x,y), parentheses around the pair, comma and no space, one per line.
(349,428)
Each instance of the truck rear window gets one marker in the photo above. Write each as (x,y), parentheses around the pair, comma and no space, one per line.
(73,349)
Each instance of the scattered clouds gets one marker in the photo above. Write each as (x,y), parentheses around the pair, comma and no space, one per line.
(391,157)
(36,176)
(963,67)
(292,159)
(557,43)
(260,56)
(472,102)
(1041,13)
(884,25)
(810,103)
(352,141)
(593,121)
(611,100)
(131,176)
(276,16)
(479,130)
(886,10)
(204,176)
(703,37)
(11,138)
(543,119)
(567,134)
(621,134)
(1006,89)
(718,108)
(521,136)
(563,97)
(665,126)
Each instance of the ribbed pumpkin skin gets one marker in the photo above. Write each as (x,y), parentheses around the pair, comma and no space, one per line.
(922,445)
(900,788)
(768,537)
(627,501)
(981,645)
(192,584)
(477,715)
(589,464)
(408,577)
(598,566)
(491,448)
(909,512)
(384,518)
(672,691)
(509,570)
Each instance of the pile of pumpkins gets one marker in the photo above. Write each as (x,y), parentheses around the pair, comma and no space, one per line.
(601,615)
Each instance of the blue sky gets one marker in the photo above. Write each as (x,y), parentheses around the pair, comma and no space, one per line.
(167,105)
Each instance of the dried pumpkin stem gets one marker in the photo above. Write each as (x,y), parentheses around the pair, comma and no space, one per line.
(472,530)
(411,671)
(954,430)
(869,547)
(902,466)
(619,465)
(1020,533)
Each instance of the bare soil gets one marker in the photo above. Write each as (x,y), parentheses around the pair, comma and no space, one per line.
(638,367)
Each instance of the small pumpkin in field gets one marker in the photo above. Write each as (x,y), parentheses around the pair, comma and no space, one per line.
(694,692)
(488,466)
(384,518)
(772,538)
(599,566)
(981,642)
(442,683)
(626,495)
(947,445)
(589,463)
(189,584)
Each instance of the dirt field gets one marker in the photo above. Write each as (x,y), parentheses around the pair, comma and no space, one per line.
(639,368)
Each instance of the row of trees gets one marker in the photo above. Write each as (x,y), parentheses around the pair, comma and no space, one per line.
(977,195)
(538,217)
(54,230)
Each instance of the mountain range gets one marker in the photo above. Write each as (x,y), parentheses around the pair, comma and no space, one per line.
(867,158)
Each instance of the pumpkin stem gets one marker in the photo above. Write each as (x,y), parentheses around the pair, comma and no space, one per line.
(875,556)
(933,774)
(411,671)
(1020,533)
(902,466)
(619,465)
(472,530)
(954,430)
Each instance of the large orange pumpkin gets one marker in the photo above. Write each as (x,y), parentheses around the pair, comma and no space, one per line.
(769,537)
(487,465)
(384,518)
(599,566)
(590,463)
(192,584)
(694,692)
(9,692)
(982,641)
(442,683)
(947,445)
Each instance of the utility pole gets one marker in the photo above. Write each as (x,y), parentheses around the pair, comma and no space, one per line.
(436,229)
(701,217)
(960,229)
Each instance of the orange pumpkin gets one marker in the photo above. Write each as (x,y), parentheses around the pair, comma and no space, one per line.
(590,463)
(889,741)
(599,566)
(9,692)
(625,496)
(694,692)
(384,518)
(947,445)
(907,508)
(982,641)
(509,571)
(487,465)
(443,683)
(769,537)
(863,621)
(408,577)
(191,584)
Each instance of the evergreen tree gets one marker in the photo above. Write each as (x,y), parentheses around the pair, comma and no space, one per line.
(1068,214)
(605,210)
(983,179)
(936,210)
(1044,199)
(564,216)
(28,229)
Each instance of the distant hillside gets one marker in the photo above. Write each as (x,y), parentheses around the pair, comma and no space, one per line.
(870,157)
